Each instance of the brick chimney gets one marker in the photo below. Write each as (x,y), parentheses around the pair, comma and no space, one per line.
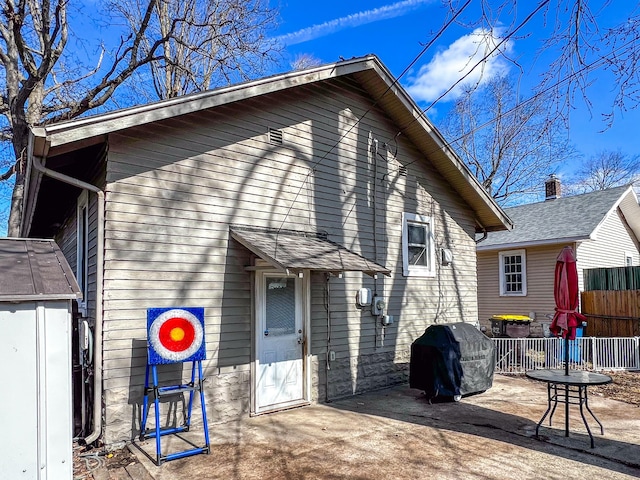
(552,188)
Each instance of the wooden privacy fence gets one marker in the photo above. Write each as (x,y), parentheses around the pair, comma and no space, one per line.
(612,278)
(612,313)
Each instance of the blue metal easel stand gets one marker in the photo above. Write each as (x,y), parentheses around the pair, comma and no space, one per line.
(158,392)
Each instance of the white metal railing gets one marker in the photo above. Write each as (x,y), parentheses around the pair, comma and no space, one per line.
(517,355)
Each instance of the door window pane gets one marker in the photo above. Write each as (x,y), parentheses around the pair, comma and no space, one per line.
(280,301)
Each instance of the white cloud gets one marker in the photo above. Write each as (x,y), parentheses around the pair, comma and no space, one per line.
(397,9)
(449,65)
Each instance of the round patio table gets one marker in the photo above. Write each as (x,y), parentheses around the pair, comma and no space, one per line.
(572,391)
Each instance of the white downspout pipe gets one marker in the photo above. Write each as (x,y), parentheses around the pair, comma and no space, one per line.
(97,349)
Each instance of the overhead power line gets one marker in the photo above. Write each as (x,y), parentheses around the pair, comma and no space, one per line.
(587,68)
(483,59)
(393,84)
(422,112)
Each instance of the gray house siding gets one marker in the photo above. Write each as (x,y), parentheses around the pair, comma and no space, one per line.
(174,187)
(68,242)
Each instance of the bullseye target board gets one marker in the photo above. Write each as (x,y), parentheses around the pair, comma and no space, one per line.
(175,335)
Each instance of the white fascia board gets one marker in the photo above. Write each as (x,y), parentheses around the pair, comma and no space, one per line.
(75,130)
(540,243)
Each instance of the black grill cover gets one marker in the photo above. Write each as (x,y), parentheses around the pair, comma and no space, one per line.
(452,359)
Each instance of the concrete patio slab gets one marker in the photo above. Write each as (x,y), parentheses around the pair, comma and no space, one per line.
(397,434)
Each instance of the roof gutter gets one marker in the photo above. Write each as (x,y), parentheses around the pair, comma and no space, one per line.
(539,243)
(97,361)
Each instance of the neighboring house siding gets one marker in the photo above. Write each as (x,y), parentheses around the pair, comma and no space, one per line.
(541,262)
(613,240)
(174,187)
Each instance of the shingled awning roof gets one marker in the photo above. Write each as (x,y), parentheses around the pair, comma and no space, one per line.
(296,251)
(35,270)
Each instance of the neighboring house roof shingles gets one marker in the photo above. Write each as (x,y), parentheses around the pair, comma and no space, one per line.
(565,219)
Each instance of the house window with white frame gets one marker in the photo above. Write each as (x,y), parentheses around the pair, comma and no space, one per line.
(82,250)
(513,273)
(628,259)
(417,246)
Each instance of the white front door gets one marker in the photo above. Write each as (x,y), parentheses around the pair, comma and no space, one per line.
(280,341)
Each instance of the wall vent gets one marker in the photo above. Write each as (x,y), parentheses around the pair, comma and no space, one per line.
(402,171)
(275,136)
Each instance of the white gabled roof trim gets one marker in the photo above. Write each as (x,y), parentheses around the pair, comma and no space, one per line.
(635,225)
(79,129)
(61,137)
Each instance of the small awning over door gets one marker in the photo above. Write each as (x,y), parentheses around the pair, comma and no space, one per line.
(295,251)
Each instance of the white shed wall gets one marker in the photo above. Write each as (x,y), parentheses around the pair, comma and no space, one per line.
(35,370)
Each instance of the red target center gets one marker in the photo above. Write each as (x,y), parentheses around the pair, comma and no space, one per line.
(176,334)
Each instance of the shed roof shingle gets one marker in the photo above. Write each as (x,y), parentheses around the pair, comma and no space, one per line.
(35,270)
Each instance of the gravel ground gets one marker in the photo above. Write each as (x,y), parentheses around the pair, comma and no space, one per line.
(625,387)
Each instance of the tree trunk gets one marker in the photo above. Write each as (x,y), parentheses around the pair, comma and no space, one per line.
(20,140)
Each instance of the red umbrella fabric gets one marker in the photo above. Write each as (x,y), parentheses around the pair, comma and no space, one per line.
(566,318)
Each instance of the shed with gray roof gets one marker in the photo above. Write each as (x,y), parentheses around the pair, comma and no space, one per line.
(36,293)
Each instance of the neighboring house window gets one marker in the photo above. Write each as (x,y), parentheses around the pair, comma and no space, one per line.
(513,272)
(417,246)
(82,250)
(628,259)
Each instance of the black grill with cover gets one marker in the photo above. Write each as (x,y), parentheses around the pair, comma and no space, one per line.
(452,360)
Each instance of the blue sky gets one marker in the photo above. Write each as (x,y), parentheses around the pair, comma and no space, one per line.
(397,32)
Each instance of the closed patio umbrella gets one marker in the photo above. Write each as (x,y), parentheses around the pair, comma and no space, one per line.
(566,319)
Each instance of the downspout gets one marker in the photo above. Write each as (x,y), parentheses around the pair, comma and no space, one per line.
(485,234)
(97,350)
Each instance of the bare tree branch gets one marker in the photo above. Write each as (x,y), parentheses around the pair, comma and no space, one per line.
(9,173)
(606,169)
(580,51)
(183,46)
(509,145)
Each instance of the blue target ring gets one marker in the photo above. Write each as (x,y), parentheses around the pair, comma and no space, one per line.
(175,335)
